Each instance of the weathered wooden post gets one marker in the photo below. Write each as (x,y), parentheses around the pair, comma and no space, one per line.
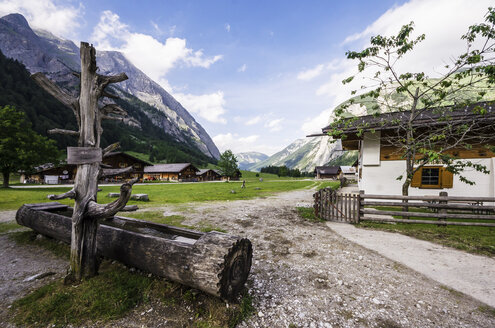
(443,210)
(88,157)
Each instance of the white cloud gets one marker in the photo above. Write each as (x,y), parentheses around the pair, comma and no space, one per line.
(253,120)
(234,142)
(227,27)
(311,73)
(150,55)
(274,125)
(315,124)
(62,20)
(442,21)
(242,68)
(208,106)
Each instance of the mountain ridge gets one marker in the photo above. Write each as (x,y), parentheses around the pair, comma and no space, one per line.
(41,51)
(304,154)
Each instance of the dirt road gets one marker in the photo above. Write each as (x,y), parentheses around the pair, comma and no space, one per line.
(306,275)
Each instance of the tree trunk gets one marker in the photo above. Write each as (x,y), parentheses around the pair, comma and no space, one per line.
(213,262)
(83,257)
(6,177)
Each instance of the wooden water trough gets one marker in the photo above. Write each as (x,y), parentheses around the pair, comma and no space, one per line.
(214,262)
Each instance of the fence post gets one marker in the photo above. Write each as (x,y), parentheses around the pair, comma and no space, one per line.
(443,210)
(360,199)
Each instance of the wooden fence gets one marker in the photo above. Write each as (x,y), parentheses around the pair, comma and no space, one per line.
(331,205)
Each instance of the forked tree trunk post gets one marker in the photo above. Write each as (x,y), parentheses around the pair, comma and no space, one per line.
(88,157)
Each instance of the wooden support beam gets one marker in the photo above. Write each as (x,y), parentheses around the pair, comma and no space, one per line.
(429,215)
(478,224)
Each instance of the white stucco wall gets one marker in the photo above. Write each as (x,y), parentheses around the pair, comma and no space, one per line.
(382,179)
(371,148)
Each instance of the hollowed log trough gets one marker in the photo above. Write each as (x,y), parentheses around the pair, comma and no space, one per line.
(214,262)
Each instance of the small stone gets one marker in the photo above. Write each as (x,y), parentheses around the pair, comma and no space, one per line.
(40,237)
(376,301)
(232,191)
(132,269)
(149,275)
(260,314)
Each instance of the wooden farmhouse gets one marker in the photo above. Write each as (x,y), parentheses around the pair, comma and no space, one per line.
(327,172)
(121,160)
(381,164)
(208,175)
(51,174)
(171,172)
(112,162)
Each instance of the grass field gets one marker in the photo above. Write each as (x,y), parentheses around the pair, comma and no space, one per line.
(477,240)
(159,194)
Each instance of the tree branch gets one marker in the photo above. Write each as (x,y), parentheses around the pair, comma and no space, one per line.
(104,80)
(70,194)
(54,90)
(108,95)
(97,211)
(62,131)
(112,109)
(126,120)
(110,148)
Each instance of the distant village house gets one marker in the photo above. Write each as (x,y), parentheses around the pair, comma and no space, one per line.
(171,172)
(328,172)
(208,175)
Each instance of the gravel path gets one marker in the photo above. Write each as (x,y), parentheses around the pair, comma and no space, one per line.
(303,274)
(306,275)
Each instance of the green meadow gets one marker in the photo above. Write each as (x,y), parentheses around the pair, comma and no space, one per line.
(168,193)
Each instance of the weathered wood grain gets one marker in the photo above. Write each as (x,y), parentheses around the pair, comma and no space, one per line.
(213,262)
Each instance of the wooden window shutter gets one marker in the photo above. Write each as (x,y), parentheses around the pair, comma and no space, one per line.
(416,180)
(447,178)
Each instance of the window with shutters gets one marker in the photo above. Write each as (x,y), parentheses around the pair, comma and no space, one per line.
(433,177)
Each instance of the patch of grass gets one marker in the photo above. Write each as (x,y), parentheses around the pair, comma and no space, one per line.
(29,238)
(477,240)
(159,194)
(60,305)
(308,213)
(8,226)
(174,220)
(242,312)
(487,310)
(328,184)
(452,291)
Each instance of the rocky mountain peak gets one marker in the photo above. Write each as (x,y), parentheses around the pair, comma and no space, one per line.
(17,20)
(41,51)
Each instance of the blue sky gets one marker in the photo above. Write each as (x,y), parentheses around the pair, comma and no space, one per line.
(256,74)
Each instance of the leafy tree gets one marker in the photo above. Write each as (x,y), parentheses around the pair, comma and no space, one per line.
(228,163)
(20,147)
(421,98)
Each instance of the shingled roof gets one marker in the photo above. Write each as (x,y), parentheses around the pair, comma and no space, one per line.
(328,170)
(430,117)
(172,168)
